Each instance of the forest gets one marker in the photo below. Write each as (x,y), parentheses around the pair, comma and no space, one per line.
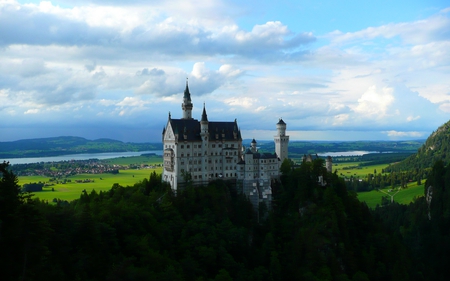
(146,232)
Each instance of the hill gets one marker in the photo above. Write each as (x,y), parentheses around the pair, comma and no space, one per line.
(436,147)
(54,146)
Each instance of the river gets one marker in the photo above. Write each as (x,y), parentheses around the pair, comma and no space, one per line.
(83,156)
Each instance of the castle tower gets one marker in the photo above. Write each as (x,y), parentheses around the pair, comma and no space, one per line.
(281,141)
(254,149)
(204,134)
(187,104)
(329,164)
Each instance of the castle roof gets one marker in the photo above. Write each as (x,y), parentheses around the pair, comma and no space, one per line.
(204,116)
(189,130)
(281,122)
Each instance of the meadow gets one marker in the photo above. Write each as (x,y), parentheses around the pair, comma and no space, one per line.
(373,198)
(99,182)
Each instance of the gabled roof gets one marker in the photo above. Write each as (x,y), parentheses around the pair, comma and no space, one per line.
(189,130)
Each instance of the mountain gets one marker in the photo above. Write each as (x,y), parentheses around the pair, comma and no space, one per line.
(436,147)
(54,146)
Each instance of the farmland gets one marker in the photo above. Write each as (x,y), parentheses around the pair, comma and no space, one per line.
(70,187)
(373,198)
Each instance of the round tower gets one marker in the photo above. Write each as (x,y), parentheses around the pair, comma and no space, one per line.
(281,141)
(329,164)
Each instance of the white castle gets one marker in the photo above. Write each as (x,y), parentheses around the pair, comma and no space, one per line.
(201,151)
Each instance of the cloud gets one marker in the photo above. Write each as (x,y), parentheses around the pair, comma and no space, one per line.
(32,111)
(132,28)
(374,103)
(412,118)
(435,28)
(403,134)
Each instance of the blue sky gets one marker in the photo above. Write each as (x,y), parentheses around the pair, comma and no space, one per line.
(333,70)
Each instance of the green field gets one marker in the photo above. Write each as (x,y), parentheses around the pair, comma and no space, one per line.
(100,182)
(373,198)
(405,196)
(352,169)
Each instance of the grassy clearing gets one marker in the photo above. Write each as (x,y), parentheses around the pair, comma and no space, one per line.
(405,196)
(100,182)
(372,198)
(352,169)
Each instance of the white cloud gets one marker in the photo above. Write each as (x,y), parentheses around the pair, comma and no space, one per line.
(32,111)
(374,103)
(403,134)
(412,118)
(340,119)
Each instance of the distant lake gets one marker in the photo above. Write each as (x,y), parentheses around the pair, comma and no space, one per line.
(83,156)
(348,153)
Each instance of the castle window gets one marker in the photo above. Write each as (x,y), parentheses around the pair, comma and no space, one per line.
(188,146)
(220,145)
(213,145)
(182,154)
(199,146)
(182,146)
(188,155)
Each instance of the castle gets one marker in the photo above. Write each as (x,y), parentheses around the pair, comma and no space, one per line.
(201,151)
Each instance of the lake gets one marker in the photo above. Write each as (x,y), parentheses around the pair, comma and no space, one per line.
(348,153)
(83,156)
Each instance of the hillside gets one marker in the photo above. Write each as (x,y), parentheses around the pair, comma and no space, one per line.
(54,146)
(436,147)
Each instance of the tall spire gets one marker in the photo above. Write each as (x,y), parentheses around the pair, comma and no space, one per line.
(204,116)
(187,95)
(187,104)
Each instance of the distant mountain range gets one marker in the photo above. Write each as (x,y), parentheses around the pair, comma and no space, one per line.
(55,146)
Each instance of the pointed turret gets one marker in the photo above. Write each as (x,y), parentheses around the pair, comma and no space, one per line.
(187,104)
(204,116)
(204,123)
(253,144)
(187,95)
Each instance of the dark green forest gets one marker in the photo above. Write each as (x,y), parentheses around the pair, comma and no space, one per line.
(435,148)
(145,232)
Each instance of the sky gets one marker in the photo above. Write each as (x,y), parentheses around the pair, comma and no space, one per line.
(332,70)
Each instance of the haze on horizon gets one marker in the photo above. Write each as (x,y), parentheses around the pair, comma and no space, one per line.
(333,70)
